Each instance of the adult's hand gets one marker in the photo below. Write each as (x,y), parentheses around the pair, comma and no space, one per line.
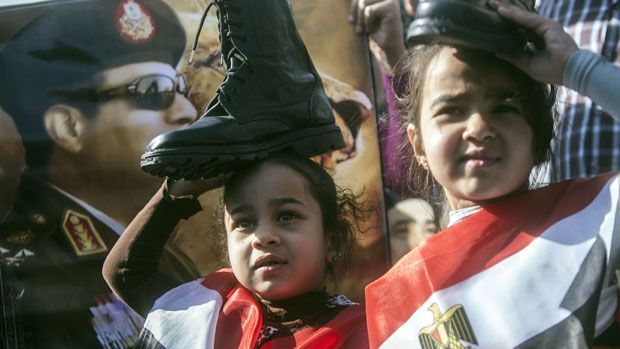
(547,63)
(195,188)
(381,20)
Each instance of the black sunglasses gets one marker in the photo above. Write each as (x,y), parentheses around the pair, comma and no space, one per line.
(152,92)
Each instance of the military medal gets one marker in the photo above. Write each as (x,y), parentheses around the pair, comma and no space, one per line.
(81,233)
(23,237)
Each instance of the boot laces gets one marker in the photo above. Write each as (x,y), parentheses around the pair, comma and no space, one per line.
(227,28)
(197,36)
(235,62)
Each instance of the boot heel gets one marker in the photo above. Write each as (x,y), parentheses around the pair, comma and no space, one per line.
(318,144)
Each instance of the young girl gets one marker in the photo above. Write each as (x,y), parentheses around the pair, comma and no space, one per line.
(286,227)
(515,268)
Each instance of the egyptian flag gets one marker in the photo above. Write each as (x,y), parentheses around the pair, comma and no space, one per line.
(217,312)
(534,270)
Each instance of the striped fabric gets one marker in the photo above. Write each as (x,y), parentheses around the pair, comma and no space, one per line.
(218,313)
(588,140)
(511,275)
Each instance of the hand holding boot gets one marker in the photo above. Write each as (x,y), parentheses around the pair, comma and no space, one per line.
(195,188)
(546,63)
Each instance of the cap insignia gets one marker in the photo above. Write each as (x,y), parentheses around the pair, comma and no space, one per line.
(81,233)
(134,22)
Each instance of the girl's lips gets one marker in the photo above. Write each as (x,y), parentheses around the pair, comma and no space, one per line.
(481,162)
(269,270)
(269,265)
(480,159)
(268,261)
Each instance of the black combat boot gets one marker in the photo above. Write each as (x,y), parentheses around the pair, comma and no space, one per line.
(469,23)
(271,99)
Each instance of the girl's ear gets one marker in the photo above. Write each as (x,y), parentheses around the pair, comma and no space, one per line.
(331,252)
(330,256)
(418,148)
(65,124)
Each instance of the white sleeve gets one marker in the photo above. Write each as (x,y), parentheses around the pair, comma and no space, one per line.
(593,76)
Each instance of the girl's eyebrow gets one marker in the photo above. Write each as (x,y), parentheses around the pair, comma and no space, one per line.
(447,98)
(284,200)
(504,94)
(240,208)
(272,202)
(497,93)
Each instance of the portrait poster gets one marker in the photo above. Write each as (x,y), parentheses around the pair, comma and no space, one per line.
(70,177)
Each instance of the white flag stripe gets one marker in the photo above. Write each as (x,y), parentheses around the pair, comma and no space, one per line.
(520,296)
(614,193)
(183,312)
(609,295)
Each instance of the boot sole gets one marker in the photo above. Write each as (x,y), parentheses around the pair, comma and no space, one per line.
(192,163)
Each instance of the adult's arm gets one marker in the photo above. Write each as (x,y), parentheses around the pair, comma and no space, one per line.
(593,76)
(131,266)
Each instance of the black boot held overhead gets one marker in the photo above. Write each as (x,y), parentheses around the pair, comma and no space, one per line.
(469,23)
(271,99)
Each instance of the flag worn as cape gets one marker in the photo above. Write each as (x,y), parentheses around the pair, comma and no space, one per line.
(217,312)
(533,270)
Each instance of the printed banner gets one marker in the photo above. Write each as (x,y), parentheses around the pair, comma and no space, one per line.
(73,128)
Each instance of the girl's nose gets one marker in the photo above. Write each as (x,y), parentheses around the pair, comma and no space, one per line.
(265,235)
(478,128)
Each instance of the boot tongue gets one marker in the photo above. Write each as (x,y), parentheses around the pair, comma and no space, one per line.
(216,109)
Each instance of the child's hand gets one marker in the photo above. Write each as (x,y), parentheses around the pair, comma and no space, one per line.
(545,64)
(197,187)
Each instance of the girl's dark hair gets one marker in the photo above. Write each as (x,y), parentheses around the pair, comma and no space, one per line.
(539,101)
(340,208)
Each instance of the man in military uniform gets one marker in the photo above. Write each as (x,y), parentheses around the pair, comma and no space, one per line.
(88,84)
(11,163)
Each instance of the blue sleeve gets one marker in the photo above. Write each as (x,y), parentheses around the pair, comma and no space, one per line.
(593,76)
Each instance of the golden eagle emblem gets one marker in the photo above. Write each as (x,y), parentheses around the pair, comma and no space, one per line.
(448,329)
